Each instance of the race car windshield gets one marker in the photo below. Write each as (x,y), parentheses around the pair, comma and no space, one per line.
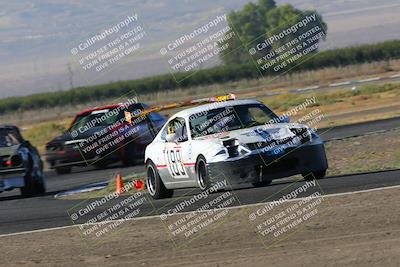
(96,119)
(230,118)
(8,138)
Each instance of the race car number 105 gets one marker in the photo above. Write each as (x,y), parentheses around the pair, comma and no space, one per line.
(175,164)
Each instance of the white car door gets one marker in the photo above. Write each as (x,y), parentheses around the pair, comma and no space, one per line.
(176,151)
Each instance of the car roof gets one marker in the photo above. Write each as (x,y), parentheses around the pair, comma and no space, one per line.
(8,126)
(90,110)
(194,110)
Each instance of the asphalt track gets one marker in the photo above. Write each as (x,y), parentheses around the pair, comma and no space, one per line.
(18,214)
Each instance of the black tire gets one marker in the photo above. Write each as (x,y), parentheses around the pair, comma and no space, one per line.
(203,176)
(262,184)
(34,183)
(63,170)
(29,189)
(129,155)
(317,175)
(155,185)
(40,188)
(40,185)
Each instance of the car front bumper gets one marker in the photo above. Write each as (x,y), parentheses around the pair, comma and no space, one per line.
(10,179)
(264,167)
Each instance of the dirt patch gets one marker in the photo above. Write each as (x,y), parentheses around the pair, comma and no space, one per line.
(351,230)
(372,152)
(344,107)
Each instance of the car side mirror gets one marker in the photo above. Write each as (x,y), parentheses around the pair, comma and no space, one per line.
(170,137)
(285,119)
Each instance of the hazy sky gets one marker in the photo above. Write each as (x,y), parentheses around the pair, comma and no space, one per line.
(36,37)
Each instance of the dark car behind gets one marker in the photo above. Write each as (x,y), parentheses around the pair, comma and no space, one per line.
(20,163)
(102,135)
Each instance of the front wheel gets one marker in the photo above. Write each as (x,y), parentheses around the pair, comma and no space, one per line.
(203,177)
(314,175)
(33,183)
(29,187)
(155,185)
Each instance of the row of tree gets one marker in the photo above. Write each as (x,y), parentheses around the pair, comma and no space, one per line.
(221,74)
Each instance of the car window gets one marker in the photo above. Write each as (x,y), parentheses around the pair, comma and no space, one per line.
(229,119)
(164,133)
(182,133)
(97,118)
(154,116)
(8,138)
(177,126)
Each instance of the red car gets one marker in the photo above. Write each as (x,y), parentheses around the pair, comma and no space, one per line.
(104,135)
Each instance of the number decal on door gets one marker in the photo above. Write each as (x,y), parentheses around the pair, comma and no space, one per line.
(175,163)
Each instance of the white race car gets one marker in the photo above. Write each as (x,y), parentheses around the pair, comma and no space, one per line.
(237,141)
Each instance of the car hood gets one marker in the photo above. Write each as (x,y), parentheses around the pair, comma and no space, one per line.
(67,136)
(7,151)
(256,134)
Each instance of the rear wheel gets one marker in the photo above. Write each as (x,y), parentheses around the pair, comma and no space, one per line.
(63,170)
(155,185)
(314,175)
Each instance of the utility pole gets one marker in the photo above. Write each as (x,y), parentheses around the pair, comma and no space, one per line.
(71,76)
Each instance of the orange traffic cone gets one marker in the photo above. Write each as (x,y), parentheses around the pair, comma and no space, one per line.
(120,185)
